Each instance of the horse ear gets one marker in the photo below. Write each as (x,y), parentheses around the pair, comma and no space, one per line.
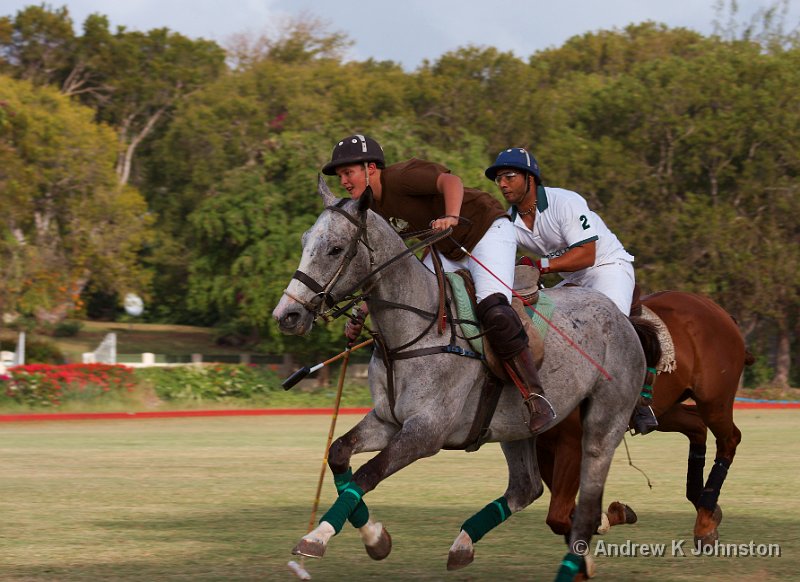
(365,200)
(324,192)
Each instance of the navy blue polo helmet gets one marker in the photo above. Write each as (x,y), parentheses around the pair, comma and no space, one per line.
(518,158)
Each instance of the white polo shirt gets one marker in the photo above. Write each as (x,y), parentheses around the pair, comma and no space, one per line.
(563,221)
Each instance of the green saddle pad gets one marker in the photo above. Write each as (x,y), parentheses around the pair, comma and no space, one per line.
(469,319)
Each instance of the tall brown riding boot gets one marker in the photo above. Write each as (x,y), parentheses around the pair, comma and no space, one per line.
(505,333)
(523,366)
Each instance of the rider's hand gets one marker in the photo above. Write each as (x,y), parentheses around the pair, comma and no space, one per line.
(444,222)
(353,327)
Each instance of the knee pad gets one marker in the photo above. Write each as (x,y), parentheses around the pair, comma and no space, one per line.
(502,326)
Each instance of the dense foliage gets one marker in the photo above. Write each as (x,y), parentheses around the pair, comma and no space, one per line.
(687,145)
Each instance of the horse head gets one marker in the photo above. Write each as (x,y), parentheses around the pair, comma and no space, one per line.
(336,256)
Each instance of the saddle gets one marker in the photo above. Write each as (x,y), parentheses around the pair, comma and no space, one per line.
(526,285)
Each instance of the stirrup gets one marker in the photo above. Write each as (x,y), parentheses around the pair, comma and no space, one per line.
(539,418)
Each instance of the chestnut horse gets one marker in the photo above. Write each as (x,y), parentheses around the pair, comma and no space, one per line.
(710,356)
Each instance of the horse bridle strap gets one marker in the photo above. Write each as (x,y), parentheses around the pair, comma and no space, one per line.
(352,249)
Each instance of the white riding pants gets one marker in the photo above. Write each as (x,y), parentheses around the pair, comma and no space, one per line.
(615,280)
(497,250)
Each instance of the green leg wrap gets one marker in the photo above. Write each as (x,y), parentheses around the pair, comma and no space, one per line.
(360,514)
(343,507)
(647,388)
(487,519)
(570,566)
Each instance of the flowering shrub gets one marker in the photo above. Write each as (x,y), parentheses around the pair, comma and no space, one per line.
(47,385)
(214,382)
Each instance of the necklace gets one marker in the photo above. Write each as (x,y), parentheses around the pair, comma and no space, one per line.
(526,212)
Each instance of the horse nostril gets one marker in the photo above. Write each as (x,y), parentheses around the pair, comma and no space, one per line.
(290,319)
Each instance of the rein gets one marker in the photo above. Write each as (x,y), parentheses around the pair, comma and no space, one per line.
(388,354)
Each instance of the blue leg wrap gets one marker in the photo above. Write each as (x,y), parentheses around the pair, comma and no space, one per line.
(343,507)
(487,519)
(360,514)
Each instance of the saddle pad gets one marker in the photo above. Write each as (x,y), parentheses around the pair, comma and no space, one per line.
(544,309)
(466,312)
(667,362)
(469,319)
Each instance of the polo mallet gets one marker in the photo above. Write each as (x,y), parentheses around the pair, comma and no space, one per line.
(306,370)
(299,569)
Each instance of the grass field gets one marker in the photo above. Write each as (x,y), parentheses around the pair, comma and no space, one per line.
(227,498)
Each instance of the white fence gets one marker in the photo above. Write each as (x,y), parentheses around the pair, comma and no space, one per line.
(15,358)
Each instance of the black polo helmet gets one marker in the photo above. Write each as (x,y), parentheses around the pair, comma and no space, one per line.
(354,149)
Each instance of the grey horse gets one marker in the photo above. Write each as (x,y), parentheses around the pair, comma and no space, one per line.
(594,361)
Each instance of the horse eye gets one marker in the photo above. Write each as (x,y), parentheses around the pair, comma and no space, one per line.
(335,251)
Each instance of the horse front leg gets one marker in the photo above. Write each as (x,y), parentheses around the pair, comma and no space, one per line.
(370,434)
(417,438)
(685,419)
(524,487)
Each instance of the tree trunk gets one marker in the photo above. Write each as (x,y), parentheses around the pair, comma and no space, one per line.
(783,359)
(126,159)
(58,313)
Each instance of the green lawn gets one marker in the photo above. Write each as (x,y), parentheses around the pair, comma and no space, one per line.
(227,498)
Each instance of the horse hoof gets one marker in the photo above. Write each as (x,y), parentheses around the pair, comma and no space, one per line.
(459,559)
(717,515)
(309,549)
(620,513)
(707,541)
(382,548)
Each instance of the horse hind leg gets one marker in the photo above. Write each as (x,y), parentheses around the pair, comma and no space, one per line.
(524,487)
(601,434)
(709,514)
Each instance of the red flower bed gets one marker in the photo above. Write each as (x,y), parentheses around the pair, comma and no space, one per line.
(49,385)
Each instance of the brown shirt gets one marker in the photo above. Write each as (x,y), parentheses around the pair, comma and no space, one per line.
(408,192)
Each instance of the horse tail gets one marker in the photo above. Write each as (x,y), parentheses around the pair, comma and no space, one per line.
(648,337)
(749,358)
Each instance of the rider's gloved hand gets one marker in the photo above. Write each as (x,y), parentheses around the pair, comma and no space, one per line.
(353,327)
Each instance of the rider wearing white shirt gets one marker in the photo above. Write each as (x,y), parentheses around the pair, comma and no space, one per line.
(563,221)
(571,240)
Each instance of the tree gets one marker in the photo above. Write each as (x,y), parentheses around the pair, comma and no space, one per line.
(133,79)
(66,220)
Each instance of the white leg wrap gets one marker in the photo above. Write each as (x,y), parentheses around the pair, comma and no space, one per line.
(370,532)
(605,525)
(323,533)
(462,542)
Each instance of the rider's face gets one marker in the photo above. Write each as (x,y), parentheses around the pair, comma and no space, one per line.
(353,178)
(512,185)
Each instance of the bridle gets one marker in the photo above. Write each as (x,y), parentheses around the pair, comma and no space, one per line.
(324,292)
(317,309)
